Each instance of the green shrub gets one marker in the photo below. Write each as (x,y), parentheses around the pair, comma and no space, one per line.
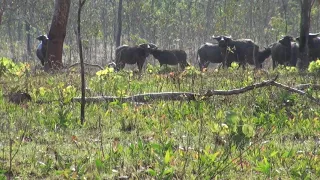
(314,67)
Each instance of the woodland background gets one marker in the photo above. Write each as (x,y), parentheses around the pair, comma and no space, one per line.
(184,24)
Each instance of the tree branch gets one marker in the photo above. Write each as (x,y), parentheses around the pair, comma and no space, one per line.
(306,86)
(240,90)
(294,90)
(190,96)
(173,96)
(87,64)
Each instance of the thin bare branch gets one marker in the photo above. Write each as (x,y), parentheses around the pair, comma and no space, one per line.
(306,86)
(87,64)
(294,90)
(240,90)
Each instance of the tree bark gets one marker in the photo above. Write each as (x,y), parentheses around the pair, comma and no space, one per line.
(306,6)
(57,34)
(119,24)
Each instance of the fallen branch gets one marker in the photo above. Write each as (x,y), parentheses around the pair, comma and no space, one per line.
(173,96)
(294,90)
(87,64)
(180,96)
(240,90)
(306,86)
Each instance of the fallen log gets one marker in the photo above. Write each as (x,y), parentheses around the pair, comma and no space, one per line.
(190,96)
(172,96)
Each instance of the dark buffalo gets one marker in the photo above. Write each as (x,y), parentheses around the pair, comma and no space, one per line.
(240,50)
(209,53)
(42,48)
(170,57)
(285,52)
(212,53)
(313,45)
(131,55)
(263,55)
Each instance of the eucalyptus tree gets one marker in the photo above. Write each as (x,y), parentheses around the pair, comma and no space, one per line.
(56,34)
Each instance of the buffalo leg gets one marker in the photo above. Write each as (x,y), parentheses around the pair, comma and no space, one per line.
(140,65)
(120,66)
(203,65)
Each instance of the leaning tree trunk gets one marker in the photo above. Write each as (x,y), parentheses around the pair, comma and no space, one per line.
(57,34)
(304,32)
(119,23)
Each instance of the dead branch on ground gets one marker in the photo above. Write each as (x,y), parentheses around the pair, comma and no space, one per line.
(87,64)
(188,96)
(306,86)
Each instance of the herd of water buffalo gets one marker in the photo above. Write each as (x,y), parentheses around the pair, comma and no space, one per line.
(226,51)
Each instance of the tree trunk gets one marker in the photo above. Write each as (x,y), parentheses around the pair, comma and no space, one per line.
(28,39)
(57,34)
(208,19)
(119,23)
(2,8)
(12,49)
(304,32)
(83,83)
(284,5)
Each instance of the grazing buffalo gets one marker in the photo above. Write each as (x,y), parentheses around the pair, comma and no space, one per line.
(131,55)
(170,57)
(285,52)
(240,50)
(42,48)
(313,45)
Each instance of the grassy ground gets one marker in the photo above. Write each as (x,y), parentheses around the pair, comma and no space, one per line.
(266,133)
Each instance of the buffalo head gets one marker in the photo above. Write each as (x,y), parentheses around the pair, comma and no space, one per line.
(223,41)
(42,38)
(286,41)
(310,37)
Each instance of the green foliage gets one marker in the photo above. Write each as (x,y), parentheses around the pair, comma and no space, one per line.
(286,69)
(234,66)
(314,67)
(8,67)
(264,133)
(264,167)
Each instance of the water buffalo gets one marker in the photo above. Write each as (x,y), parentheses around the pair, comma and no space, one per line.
(285,52)
(263,55)
(212,53)
(131,55)
(209,53)
(170,57)
(240,50)
(313,45)
(42,48)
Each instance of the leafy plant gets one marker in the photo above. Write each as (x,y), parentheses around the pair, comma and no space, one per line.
(314,67)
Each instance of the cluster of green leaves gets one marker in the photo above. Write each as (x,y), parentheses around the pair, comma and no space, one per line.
(314,67)
(8,67)
(282,69)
